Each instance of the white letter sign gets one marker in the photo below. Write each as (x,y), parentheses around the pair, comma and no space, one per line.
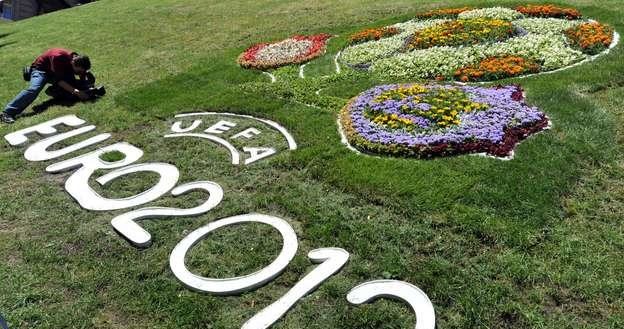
(77,185)
(331,260)
(45,128)
(126,226)
(228,135)
(220,127)
(416,298)
(39,150)
(240,284)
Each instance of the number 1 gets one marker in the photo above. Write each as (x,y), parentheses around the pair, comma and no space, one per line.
(331,260)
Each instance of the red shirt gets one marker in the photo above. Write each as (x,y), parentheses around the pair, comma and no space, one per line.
(56,62)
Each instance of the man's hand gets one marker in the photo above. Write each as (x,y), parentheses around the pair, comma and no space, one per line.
(81,94)
(70,89)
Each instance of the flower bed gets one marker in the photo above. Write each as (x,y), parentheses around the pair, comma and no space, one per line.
(460,32)
(428,48)
(443,13)
(492,13)
(591,38)
(549,11)
(372,34)
(295,50)
(415,120)
(495,68)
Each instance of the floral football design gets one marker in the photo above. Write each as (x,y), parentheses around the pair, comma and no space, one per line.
(427,120)
(483,44)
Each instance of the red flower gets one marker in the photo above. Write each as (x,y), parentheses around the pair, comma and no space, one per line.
(248,59)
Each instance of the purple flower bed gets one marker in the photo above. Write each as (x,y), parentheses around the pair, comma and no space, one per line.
(437,120)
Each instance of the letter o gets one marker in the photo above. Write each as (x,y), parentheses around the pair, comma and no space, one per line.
(236,285)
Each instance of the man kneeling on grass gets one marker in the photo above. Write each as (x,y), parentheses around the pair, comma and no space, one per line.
(59,67)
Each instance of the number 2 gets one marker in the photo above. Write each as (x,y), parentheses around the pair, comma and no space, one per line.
(416,298)
(127,227)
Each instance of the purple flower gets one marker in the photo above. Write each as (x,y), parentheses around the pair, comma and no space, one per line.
(489,127)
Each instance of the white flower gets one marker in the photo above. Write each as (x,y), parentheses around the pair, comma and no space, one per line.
(546,25)
(285,50)
(552,51)
(372,50)
(411,26)
(493,12)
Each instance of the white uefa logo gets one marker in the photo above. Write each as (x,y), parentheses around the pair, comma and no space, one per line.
(221,131)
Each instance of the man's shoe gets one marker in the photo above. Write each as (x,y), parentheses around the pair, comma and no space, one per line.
(6,118)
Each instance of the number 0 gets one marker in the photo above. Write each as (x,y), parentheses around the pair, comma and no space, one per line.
(232,286)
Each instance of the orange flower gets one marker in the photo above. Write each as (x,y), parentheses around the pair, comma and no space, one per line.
(549,11)
(496,68)
(592,38)
(372,34)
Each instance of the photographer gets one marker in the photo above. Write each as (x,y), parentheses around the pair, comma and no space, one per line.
(59,67)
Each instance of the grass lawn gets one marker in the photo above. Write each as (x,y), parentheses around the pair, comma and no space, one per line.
(536,242)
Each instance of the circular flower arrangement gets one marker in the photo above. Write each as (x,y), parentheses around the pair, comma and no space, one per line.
(294,50)
(486,44)
(418,120)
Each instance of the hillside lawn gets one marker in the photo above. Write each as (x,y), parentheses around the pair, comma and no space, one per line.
(537,242)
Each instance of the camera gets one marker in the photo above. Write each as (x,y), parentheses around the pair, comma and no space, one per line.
(26,73)
(95,92)
(88,80)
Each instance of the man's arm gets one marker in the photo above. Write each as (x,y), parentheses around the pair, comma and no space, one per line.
(70,89)
(60,66)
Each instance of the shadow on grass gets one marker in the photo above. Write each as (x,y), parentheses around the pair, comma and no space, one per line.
(7,44)
(45,105)
(4,35)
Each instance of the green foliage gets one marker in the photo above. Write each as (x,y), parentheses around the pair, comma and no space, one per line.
(112,156)
(308,91)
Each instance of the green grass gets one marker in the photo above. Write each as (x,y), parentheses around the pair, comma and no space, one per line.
(536,242)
